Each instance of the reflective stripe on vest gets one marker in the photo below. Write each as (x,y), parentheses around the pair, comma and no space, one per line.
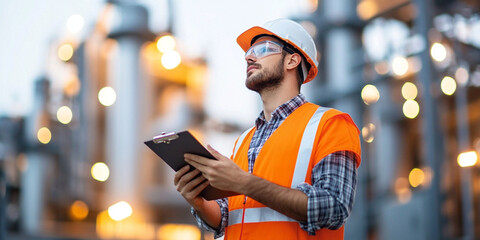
(255,215)
(240,141)
(265,214)
(306,147)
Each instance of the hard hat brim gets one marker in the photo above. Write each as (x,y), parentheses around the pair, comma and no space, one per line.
(244,40)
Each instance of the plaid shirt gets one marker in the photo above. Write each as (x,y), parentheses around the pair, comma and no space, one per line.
(330,197)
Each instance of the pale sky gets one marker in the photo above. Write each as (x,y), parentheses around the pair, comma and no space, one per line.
(205,28)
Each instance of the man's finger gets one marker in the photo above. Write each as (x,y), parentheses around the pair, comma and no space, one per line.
(214,152)
(198,161)
(196,158)
(196,165)
(192,184)
(186,178)
(200,188)
(180,173)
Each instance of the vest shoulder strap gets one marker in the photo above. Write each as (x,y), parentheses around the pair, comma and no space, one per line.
(306,147)
(240,141)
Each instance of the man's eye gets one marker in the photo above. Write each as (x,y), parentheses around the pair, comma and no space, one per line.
(261,50)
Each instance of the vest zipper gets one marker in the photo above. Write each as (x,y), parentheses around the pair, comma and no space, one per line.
(243,211)
(243,218)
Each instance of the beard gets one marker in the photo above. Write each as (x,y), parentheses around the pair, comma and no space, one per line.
(265,79)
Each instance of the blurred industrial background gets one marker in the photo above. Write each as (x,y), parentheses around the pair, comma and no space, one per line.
(84,83)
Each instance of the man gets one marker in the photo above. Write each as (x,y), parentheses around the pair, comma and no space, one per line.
(295,170)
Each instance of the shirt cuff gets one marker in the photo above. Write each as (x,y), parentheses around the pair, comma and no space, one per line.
(223,203)
(311,225)
(202,224)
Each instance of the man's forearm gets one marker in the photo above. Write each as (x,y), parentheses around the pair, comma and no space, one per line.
(210,213)
(291,202)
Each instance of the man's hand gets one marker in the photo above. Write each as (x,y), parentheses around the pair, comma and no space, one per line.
(190,185)
(223,174)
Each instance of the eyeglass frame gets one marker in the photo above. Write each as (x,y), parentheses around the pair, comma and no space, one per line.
(251,51)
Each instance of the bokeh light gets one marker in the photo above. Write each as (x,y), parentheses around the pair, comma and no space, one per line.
(107,96)
(44,135)
(178,231)
(166,43)
(100,171)
(368,132)
(438,52)
(467,159)
(416,177)
(65,52)
(72,86)
(402,190)
(370,94)
(64,114)
(461,75)
(171,59)
(409,91)
(313,6)
(78,210)
(448,85)
(382,68)
(399,65)
(411,109)
(367,9)
(120,211)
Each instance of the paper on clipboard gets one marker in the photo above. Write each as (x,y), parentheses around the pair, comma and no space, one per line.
(171,147)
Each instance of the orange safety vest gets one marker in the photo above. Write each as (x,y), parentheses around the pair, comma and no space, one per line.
(287,158)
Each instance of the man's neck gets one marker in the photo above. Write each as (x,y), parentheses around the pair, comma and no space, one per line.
(273,98)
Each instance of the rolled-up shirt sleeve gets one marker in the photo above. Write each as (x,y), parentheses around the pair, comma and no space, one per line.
(223,203)
(332,193)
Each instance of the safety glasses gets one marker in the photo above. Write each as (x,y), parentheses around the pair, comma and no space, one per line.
(264,49)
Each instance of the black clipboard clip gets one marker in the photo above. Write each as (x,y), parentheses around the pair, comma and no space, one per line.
(165,138)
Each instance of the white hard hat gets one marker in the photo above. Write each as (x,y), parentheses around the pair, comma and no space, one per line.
(290,32)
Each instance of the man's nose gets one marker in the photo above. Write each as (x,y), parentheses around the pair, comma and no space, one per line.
(251,57)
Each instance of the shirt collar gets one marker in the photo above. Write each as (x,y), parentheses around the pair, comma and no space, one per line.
(283,110)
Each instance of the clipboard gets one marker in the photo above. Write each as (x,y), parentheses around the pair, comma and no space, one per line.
(171,147)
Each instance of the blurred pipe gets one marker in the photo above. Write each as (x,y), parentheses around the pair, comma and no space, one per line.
(126,117)
(342,44)
(431,135)
(463,136)
(39,158)
(84,112)
(171,15)
(32,192)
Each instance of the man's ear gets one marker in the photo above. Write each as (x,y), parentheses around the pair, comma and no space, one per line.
(293,60)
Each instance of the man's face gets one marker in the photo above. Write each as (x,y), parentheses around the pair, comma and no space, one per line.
(266,72)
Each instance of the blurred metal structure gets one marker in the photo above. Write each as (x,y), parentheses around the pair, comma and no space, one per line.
(125,118)
(388,206)
(431,134)
(33,179)
(463,138)
(341,52)
(385,207)
(10,141)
